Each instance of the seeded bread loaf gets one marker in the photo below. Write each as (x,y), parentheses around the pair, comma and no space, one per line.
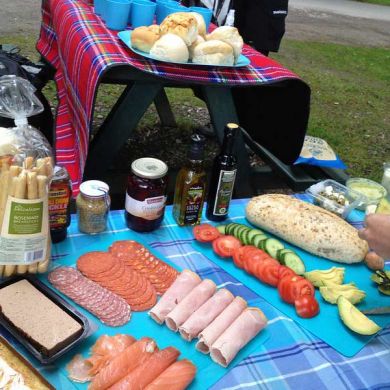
(307,226)
(38,318)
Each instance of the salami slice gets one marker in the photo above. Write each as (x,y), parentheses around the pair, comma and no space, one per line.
(111,309)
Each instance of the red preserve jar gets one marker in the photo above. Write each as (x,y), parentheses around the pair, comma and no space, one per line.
(146,194)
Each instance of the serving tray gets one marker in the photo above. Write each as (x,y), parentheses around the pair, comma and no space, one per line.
(125,37)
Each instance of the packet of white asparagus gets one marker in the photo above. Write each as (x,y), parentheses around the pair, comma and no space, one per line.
(26,167)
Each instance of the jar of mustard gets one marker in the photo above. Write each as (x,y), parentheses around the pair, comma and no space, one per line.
(93,205)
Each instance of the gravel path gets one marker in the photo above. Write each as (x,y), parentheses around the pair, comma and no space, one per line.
(339,21)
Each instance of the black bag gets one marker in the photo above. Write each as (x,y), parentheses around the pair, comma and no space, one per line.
(11,63)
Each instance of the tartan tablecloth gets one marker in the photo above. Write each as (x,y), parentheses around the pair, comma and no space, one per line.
(79,46)
(292,358)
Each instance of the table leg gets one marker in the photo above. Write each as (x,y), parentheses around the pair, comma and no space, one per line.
(164,110)
(222,110)
(118,126)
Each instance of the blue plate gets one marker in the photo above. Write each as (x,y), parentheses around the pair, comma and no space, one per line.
(125,37)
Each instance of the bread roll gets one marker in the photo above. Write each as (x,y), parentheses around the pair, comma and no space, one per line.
(213,53)
(309,227)
(191,48)
(143,38)
(201,23)
(170,47)
(229,35)
(155,28)
(182,24)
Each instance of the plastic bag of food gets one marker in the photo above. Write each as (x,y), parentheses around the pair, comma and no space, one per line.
(26,166)
(317,152)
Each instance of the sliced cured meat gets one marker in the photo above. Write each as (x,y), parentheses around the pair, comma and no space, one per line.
(176,377)
(133,287)
(104,304)
(147,372)
(246,326)
(220,324)
(192,302)
(206,314)
(123,363)
(181,287)
(137,257)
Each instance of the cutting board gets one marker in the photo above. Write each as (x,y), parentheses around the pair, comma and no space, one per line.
(327,325)
(142,325)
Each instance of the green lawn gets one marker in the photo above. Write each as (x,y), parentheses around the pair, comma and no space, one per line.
(381,2)
(350,95)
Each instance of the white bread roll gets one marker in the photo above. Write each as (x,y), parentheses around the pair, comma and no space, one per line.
(170,47)
(143,38)
(201,23)
(213,53)
(191,48)
(229,35)
(182,24)
(309,227)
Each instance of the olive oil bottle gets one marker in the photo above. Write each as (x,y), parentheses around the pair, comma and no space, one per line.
(190,189)
(222,179)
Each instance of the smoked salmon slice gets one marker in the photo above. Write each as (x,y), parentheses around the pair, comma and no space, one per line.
(176,377)
(122,364)
(147,372)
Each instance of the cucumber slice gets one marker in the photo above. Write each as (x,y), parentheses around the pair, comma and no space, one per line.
(221,229)
(229,228)
(272,245)
(293,261)
(281,252)
(262,244)
(253,233)
(237,230)
(257,239)
(244,237)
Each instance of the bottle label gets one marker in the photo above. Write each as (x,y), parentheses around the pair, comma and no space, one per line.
(224,192)
(194,204)
(59,196)
(150,208)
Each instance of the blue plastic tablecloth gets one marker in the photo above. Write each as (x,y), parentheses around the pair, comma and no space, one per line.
(291,358)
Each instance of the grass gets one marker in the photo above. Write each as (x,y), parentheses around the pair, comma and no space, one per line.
(350,88)
(381,2)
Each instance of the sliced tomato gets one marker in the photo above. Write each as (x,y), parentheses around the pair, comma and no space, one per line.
(268,271)
(291,287)
(285,271)
(307,306)
(252,252)
(238,256)
(206,233)
(224,246)
(200,227)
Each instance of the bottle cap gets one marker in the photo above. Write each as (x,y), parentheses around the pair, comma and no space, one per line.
(94,188)
(197,145)
(149,168)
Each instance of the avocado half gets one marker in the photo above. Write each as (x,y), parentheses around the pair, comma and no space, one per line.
(354,319)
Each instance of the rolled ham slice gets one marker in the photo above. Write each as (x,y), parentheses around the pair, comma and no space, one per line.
(181,287)
(249,323)
(192,302)
(220,324)
(206,314)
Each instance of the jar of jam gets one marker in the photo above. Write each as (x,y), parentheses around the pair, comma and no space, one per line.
(146,194)
(93,205)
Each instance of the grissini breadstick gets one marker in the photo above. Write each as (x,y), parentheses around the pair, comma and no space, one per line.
(19,191)
(41,166)
(49,166)
(28,162)
(4,179)
(42,192)
(32,193)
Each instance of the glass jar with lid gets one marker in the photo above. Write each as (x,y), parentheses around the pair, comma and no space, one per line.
(146,194)
(93,205)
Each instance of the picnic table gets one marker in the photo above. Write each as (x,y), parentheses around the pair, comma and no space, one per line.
(290,358)
(265,98)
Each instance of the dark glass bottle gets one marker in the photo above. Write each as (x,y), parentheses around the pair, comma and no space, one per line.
(60,193)
(222,179)
(190,188)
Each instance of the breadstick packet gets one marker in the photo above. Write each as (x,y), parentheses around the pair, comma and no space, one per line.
(26,166)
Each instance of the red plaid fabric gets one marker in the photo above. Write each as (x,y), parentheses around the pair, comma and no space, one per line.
(77,43)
